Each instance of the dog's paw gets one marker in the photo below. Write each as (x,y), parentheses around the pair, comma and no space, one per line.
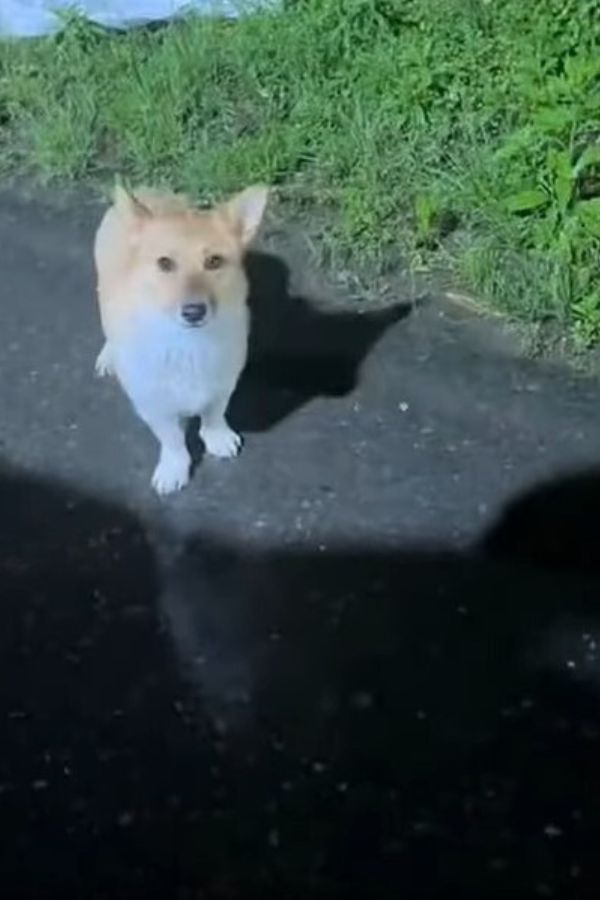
(221,441)
(171,474)
(104,363)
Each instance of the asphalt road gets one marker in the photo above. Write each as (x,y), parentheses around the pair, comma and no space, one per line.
(334,667)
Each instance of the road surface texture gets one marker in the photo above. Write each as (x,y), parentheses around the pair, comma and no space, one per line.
(362,660)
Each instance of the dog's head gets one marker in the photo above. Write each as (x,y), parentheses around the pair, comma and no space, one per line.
(188,262)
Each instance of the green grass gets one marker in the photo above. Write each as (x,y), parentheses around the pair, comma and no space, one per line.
(465,131)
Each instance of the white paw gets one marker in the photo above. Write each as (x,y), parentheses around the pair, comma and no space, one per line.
(221,441)
(104,363)
(171,474)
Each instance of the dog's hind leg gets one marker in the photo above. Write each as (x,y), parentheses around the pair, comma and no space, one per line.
(104,362)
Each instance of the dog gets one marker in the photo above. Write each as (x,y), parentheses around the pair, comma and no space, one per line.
(173,300)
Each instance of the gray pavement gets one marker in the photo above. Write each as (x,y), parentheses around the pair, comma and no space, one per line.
(354,427)
(299,658)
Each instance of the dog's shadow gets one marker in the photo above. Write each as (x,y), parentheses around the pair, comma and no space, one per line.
(298,352)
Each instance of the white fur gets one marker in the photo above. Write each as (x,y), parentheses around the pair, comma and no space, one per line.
(171,372)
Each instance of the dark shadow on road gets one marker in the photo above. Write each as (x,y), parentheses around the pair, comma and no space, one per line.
(554,526)
(298,351)
(300,723)
(95,754)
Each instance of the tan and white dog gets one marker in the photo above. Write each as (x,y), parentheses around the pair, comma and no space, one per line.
(173,298)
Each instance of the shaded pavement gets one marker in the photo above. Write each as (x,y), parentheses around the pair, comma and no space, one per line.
(338,666)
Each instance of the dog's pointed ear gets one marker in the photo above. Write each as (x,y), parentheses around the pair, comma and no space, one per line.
(127,204)
(245,211)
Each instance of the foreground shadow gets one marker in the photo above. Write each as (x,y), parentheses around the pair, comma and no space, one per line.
(297,351)
(350,722)
(554,526)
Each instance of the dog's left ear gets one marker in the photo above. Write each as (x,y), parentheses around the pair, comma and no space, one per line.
(245,210)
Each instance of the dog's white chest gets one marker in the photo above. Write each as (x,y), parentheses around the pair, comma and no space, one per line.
(166,367)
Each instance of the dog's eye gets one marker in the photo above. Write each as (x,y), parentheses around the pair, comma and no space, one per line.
(214,261)
(166,264)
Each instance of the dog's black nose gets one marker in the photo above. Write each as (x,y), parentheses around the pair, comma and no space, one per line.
(194,313)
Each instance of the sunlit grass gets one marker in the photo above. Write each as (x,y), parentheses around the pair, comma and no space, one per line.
(407,119)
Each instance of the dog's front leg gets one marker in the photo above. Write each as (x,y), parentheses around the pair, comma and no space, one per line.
(219,439)
(173,469)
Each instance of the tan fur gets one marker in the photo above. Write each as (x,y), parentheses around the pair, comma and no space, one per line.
(139,228)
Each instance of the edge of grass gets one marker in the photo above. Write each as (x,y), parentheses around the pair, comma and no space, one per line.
(468,140)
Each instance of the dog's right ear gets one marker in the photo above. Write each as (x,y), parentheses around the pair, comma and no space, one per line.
(128,205)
